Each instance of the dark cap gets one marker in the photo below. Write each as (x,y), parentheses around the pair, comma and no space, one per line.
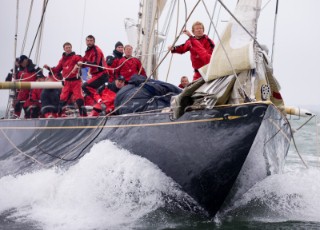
(118,44)
(121,78)
(22,58)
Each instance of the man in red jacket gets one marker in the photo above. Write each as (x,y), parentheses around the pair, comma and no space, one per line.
(27,72)
(94,59)
(199,45)
(184,81)
(108,96)
(72,82)
(113,60)
(129,65)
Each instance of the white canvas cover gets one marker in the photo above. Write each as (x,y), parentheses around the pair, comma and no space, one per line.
(237,43)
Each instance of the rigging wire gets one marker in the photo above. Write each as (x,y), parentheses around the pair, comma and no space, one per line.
(39,45)
(211,18)
(274,30)
(10,100)
(297,129)
(295,146)
(21,152)
(83,20)
(41,21)
(176,33)
(317,136)
(265,5)
(148,78)
(240,24)
(217,20)
(167,24)
(27,28)
(227,56)
(185,11)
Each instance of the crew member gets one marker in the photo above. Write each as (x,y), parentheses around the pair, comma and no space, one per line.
(94,59)
(199,45)
(129,65)
(113,61)
(108,95)
(28,72)
(72,80)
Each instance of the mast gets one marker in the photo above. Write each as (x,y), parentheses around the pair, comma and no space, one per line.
(148,36)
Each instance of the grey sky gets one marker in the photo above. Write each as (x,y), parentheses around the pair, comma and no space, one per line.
(296,51)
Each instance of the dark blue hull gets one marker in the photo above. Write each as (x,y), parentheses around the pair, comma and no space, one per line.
(204,151)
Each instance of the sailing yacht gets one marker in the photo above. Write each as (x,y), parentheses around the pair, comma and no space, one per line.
(216,139)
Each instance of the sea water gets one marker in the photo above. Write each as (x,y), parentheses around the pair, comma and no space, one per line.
(110,188)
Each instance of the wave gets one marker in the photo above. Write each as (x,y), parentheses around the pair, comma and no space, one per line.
(107,188)
(293,196)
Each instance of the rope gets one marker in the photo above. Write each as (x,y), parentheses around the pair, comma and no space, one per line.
(62,158)
(317,136)
(274,30)
(167,52)
(24,79)
(226,8)
(218,16)
(295,146)
(20,152)
(265,5)
(305,122)
(39,45)
(83,18)
(211,18)
(167,24)
(185,11)
(107,68)
(41,20)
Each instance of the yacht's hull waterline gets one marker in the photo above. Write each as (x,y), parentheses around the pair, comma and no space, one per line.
(207,152)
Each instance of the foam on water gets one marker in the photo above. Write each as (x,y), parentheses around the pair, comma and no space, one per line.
(108,187)
(293,196)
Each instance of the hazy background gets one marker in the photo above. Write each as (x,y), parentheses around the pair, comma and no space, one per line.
(296,51)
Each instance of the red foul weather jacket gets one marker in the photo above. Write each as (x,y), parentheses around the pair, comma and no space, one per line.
(200,50)
(66,65)
(94,56)
(28,73)
(129,67)
(108,97)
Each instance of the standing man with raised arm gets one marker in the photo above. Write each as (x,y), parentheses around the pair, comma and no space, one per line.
(72,82)
(94,59)
(199,45)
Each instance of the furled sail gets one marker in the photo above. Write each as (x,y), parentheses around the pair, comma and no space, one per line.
(235,52)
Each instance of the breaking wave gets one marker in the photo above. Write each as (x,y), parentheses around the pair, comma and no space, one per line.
(293,196)
(107,188)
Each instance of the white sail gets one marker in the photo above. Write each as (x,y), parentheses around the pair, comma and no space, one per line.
(235,52)
(131,28)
